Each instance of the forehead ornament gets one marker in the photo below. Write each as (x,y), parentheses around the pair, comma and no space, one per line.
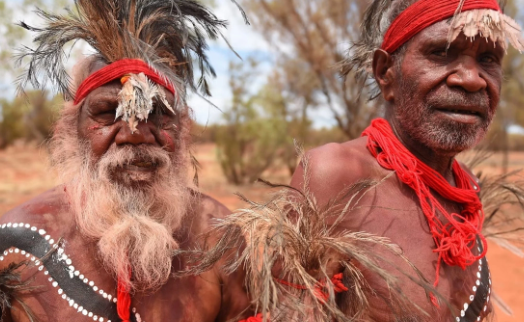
(140,86)
(472,17)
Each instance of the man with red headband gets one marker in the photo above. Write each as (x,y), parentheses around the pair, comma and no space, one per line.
(104,245)
(437,67)
(325,254)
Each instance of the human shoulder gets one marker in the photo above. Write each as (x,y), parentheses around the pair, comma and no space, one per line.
(334,167)
(44,211)
(33,225)
(212,208)
(208,212)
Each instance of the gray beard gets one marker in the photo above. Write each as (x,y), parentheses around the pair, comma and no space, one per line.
(437,134)
(133,226)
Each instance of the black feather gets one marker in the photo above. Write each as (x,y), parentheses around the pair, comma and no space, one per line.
(167,34)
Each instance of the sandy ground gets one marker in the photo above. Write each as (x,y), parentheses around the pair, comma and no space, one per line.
(24,173)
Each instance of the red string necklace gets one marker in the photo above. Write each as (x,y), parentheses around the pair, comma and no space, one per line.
(454,240)
(123,302)
(319,291)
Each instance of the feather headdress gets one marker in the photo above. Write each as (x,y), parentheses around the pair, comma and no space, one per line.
(168,36)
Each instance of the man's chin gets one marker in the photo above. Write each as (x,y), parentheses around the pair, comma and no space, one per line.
(134,178)
(454,142)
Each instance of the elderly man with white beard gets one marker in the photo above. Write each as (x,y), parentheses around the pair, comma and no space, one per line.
(102,245)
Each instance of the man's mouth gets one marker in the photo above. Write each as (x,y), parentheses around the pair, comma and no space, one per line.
(468,115)
(141,166)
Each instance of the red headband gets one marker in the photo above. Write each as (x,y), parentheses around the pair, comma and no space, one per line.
(116,70)
(423,14)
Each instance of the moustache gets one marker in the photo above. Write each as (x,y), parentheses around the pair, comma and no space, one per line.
(143,156)
(457,97)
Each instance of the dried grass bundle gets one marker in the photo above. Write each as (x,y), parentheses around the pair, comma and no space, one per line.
(290,238)
(503,200)
(502,197)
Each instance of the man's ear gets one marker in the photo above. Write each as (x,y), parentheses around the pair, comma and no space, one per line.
(384,72)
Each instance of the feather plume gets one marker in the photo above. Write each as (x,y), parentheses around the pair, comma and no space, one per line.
(489,24)
(169,35)
(135,100)
(290,238)
(360,55)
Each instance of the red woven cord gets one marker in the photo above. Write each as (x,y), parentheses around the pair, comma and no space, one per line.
(320,287)
(339,287)
(117,70)
(454,240)
(423,14)
(123,301)
(257,318)
(319,291)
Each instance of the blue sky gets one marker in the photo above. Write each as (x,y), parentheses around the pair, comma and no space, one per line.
(247,43)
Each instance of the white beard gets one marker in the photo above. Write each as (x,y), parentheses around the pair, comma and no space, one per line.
(133,225)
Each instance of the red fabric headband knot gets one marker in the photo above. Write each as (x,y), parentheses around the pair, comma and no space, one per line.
(423,14)
(116,70)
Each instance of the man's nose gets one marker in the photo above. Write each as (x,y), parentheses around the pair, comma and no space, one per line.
(467,75)
(143,134)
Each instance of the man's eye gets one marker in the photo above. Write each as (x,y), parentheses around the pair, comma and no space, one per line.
(440,53)
(107,113)
(488,59)
(105,116)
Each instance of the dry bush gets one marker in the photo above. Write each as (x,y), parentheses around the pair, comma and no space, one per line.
(28,117)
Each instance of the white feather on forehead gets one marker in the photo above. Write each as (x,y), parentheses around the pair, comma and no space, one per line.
(135,100)
(490,24)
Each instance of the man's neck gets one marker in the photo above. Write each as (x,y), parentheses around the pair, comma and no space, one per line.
(440,162)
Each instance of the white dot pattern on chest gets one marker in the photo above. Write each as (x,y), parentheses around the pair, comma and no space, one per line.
(72,272)
(475,289)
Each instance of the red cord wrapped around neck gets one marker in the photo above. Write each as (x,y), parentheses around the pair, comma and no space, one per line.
(455,240)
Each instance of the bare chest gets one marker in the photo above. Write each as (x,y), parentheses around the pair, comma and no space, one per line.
(394,212)
(68,283)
